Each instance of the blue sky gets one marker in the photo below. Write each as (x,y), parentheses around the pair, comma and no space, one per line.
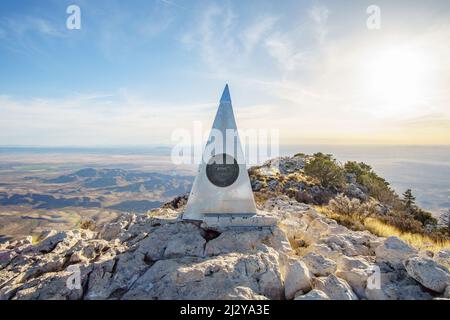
(137,70)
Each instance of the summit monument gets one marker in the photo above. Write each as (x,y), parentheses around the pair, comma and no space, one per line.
(222,195)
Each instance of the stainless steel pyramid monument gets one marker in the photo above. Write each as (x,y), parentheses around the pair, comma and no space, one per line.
(222,194)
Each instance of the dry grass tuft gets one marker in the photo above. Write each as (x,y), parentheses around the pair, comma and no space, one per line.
(416,240)
(87,224)
(381,229)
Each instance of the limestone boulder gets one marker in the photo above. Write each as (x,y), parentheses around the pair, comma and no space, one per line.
(297,278)
(336,229)
(349,263)
(6,256)
(350,243)
(283,206)
(188,244)
(335,288)
(118,228)
(324,250)
(278,240)
(171,240)
(52,286)
(86,251)
(447,293)
(270,281)
(396,284)
(49,263)
(357,279)
(313,295)
(294,227)
(394,251)
(318,265)
(316,229)
(208,278)
(443,257)
(428,273)
(51,240)
(237,241)
(17,245)
(357,271)
(112,278)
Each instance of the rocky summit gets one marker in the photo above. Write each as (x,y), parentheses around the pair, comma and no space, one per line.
(157,255)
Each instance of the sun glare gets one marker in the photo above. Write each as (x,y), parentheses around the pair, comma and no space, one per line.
(398,79)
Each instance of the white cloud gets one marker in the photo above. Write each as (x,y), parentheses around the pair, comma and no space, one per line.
(94,119)
(318,88)
(21,34)
(255,33)
(293,73)
(319,14)
(226,41)
(174,4)
(24,25)
(284,49)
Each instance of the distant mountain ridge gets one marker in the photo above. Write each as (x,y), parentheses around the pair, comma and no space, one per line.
(104,182)
(122,180)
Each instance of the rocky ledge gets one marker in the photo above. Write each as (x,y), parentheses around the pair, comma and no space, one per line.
(158,256)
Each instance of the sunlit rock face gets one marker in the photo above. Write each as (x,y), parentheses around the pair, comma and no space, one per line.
(161,256)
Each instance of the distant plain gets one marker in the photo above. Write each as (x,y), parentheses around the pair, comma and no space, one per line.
(57,188)
(41,191)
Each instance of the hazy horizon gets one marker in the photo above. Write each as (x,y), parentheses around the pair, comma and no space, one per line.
(424,169)
(126,146)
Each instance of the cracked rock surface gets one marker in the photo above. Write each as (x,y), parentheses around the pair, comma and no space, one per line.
(159,256)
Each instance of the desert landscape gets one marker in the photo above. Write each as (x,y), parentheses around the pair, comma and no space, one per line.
(41,191)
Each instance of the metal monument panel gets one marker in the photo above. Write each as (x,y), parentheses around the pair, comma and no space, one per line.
(222,185)
(222,170)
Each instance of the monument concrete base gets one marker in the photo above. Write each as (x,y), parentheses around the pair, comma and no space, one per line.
(224,221)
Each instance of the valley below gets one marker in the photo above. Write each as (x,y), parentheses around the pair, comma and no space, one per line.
(59,191)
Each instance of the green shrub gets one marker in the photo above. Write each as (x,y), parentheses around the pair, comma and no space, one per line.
(322,197)
(403,222)
(345,206)
(352,207)
(303,197)
(377,187)
(325,169)
(426,218)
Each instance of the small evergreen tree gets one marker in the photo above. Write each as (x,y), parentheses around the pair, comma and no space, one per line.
(409,200)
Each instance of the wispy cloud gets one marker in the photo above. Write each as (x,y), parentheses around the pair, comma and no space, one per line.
(300,67)
(94,119)
(174,4)
(256,32)
(118,31)
(24,25)
(319,78)
(22,34)
(225,40)
(319,15)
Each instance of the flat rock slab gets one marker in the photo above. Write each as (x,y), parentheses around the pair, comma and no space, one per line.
(260,220)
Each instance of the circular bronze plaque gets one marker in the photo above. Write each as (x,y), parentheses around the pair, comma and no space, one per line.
(222,170)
